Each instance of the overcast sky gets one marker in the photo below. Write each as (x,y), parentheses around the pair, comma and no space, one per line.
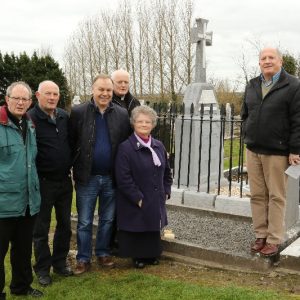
(27,25)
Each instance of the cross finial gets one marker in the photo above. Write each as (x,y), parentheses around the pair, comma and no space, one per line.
(203,38)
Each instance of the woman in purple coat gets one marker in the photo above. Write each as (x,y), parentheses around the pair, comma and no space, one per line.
(143,184)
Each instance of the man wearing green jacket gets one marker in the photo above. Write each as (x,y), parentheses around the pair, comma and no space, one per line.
(19,189)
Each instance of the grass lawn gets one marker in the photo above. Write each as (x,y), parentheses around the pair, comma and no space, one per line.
(235,146)
(125,283)
(168,281)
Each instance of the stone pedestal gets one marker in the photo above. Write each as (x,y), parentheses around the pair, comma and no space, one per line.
(199,140)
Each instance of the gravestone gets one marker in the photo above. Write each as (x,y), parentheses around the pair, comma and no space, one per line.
(228,119)
(199,93)
(76,100)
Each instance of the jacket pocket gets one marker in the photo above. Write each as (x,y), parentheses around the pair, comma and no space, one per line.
(11,200)
(9,150)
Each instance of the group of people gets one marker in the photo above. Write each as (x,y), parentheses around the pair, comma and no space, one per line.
(42,149)
(106,146)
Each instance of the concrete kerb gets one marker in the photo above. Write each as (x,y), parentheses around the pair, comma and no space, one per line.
(221,203)
(233,205)
(196,255)
(177,195)
(290,256)
(199,199)
(206,211)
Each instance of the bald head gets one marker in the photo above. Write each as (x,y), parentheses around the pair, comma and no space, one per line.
(119,73)
(48,96)
(47,83)
(120,79)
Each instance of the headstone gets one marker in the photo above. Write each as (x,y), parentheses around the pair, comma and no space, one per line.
(76,100)
(228,120)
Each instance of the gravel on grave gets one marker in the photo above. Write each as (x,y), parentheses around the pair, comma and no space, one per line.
(211,231)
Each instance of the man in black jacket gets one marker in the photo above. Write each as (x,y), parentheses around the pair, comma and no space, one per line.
(53,165)
(123,98)
(121,94)
(97,127)
(271,114)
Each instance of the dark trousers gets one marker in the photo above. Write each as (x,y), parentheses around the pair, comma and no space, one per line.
(18,232)
(57,194)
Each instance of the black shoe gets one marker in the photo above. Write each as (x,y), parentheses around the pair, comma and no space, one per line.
(114,251)
(34,293)
(66,271)
(139,264)
(2,296)
(44,280)
(153,261)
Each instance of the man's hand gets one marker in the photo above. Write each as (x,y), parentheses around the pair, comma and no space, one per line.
(294,159)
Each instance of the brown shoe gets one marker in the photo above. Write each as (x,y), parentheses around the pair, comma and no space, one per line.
(269,250)
(106,261)
(81,267)
(258,245)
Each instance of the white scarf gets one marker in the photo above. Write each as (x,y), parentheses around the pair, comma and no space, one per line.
(155,158)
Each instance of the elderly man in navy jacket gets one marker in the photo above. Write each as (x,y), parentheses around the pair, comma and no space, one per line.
(53,165)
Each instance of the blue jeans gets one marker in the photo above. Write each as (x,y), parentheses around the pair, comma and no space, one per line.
(86,198)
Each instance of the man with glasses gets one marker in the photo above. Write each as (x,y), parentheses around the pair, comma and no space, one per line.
(53,166)
(19,189)
(121,94)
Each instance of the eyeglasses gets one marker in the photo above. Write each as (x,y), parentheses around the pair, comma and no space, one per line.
(18,99)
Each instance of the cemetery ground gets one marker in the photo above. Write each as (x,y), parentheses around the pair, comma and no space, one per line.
(169,280)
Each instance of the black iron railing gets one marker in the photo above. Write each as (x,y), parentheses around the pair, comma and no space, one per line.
(216,170)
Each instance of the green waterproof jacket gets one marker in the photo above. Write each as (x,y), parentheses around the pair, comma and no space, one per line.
(19,184)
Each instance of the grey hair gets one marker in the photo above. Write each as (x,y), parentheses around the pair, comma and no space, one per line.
(278,52)
(114,73)
(146,110)
(16,83)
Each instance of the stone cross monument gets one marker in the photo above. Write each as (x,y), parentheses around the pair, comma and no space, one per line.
(198,93)
(203,39)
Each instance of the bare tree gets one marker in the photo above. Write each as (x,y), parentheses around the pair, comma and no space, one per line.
(155,50)
(247,60)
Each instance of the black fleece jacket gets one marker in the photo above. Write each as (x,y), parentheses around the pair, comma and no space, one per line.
(272,124)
